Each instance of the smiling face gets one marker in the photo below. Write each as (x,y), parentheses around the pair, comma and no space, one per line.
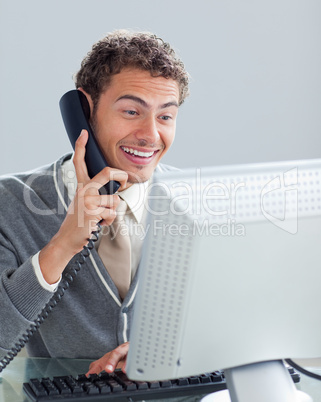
(135,121)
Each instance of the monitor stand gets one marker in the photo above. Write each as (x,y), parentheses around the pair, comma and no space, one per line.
(265,382)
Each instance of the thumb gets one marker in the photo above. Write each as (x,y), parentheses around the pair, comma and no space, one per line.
(79,159)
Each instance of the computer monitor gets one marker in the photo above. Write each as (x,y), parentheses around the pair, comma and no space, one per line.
(230,272)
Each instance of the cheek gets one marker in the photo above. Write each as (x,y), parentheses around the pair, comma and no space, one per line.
(169,137)
(108,135)
(116,132)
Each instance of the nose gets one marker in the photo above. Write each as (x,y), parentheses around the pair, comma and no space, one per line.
(148,131)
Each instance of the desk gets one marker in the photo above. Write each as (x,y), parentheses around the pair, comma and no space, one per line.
(23,368)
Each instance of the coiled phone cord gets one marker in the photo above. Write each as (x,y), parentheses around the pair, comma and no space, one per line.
(66,281)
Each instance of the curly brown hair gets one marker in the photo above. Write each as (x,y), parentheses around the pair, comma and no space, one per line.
(122,48)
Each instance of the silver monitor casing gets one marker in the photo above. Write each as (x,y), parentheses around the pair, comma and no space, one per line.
(230,272)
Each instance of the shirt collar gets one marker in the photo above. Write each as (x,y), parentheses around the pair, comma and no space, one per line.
(69,177)
(135,198)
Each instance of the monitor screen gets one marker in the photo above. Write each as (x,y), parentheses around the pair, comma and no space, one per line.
(230,272)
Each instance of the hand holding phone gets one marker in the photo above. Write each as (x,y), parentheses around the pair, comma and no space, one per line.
(90,205)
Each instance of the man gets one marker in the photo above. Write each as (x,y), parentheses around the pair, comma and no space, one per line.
(134,84)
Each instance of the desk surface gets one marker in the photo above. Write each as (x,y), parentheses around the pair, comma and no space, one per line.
(22,368)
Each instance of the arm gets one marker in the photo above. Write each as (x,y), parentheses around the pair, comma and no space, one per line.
(87,209)
(110,361)
(22,297)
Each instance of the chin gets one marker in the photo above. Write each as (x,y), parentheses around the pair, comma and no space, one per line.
(135,179)
(139,176)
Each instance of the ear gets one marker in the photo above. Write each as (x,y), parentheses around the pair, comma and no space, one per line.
(91,104)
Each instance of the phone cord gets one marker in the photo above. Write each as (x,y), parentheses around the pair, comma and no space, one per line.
(67,278)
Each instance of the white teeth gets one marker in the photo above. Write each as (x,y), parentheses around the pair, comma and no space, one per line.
(138,153)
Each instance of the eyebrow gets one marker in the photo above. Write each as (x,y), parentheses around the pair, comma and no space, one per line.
(145,104)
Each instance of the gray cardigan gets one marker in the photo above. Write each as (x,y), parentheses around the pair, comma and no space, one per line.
(90,319)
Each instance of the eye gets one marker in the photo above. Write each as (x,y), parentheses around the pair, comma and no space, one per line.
(131,112)
(166,117)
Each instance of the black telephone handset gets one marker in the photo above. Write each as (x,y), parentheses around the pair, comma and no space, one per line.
(75,113)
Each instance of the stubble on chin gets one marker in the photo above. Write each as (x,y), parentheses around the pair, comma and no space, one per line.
(139,177)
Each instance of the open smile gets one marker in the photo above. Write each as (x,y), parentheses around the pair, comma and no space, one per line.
(138,156)
(135,152)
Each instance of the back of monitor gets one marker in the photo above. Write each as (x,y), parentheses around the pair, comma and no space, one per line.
(230,270)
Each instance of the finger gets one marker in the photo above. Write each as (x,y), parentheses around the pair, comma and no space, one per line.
(123,369)
(110,174)
(106,201)
(94,368)
(106,216)
(79,158)
(101,208)
(118,355)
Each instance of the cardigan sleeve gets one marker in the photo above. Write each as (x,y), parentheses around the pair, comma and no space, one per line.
(39,275)
(22,297)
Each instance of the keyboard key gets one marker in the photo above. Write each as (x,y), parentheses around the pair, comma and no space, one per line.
(205,379)
(61,385)
(92,390)
(182,381)
(103,387)
(50,386)
(81,378)
(115,387)
(217,376)
(73,385)
(194,380)
(104,376)
(93,377)
(166,384)
(37,387)
(142,385)
(127,384)
(154,385)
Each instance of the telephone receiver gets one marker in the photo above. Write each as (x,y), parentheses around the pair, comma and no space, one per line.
(75,111)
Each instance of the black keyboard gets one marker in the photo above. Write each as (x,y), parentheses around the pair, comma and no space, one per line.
(117,387)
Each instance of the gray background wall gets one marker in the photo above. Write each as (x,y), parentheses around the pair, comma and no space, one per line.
(255,67)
